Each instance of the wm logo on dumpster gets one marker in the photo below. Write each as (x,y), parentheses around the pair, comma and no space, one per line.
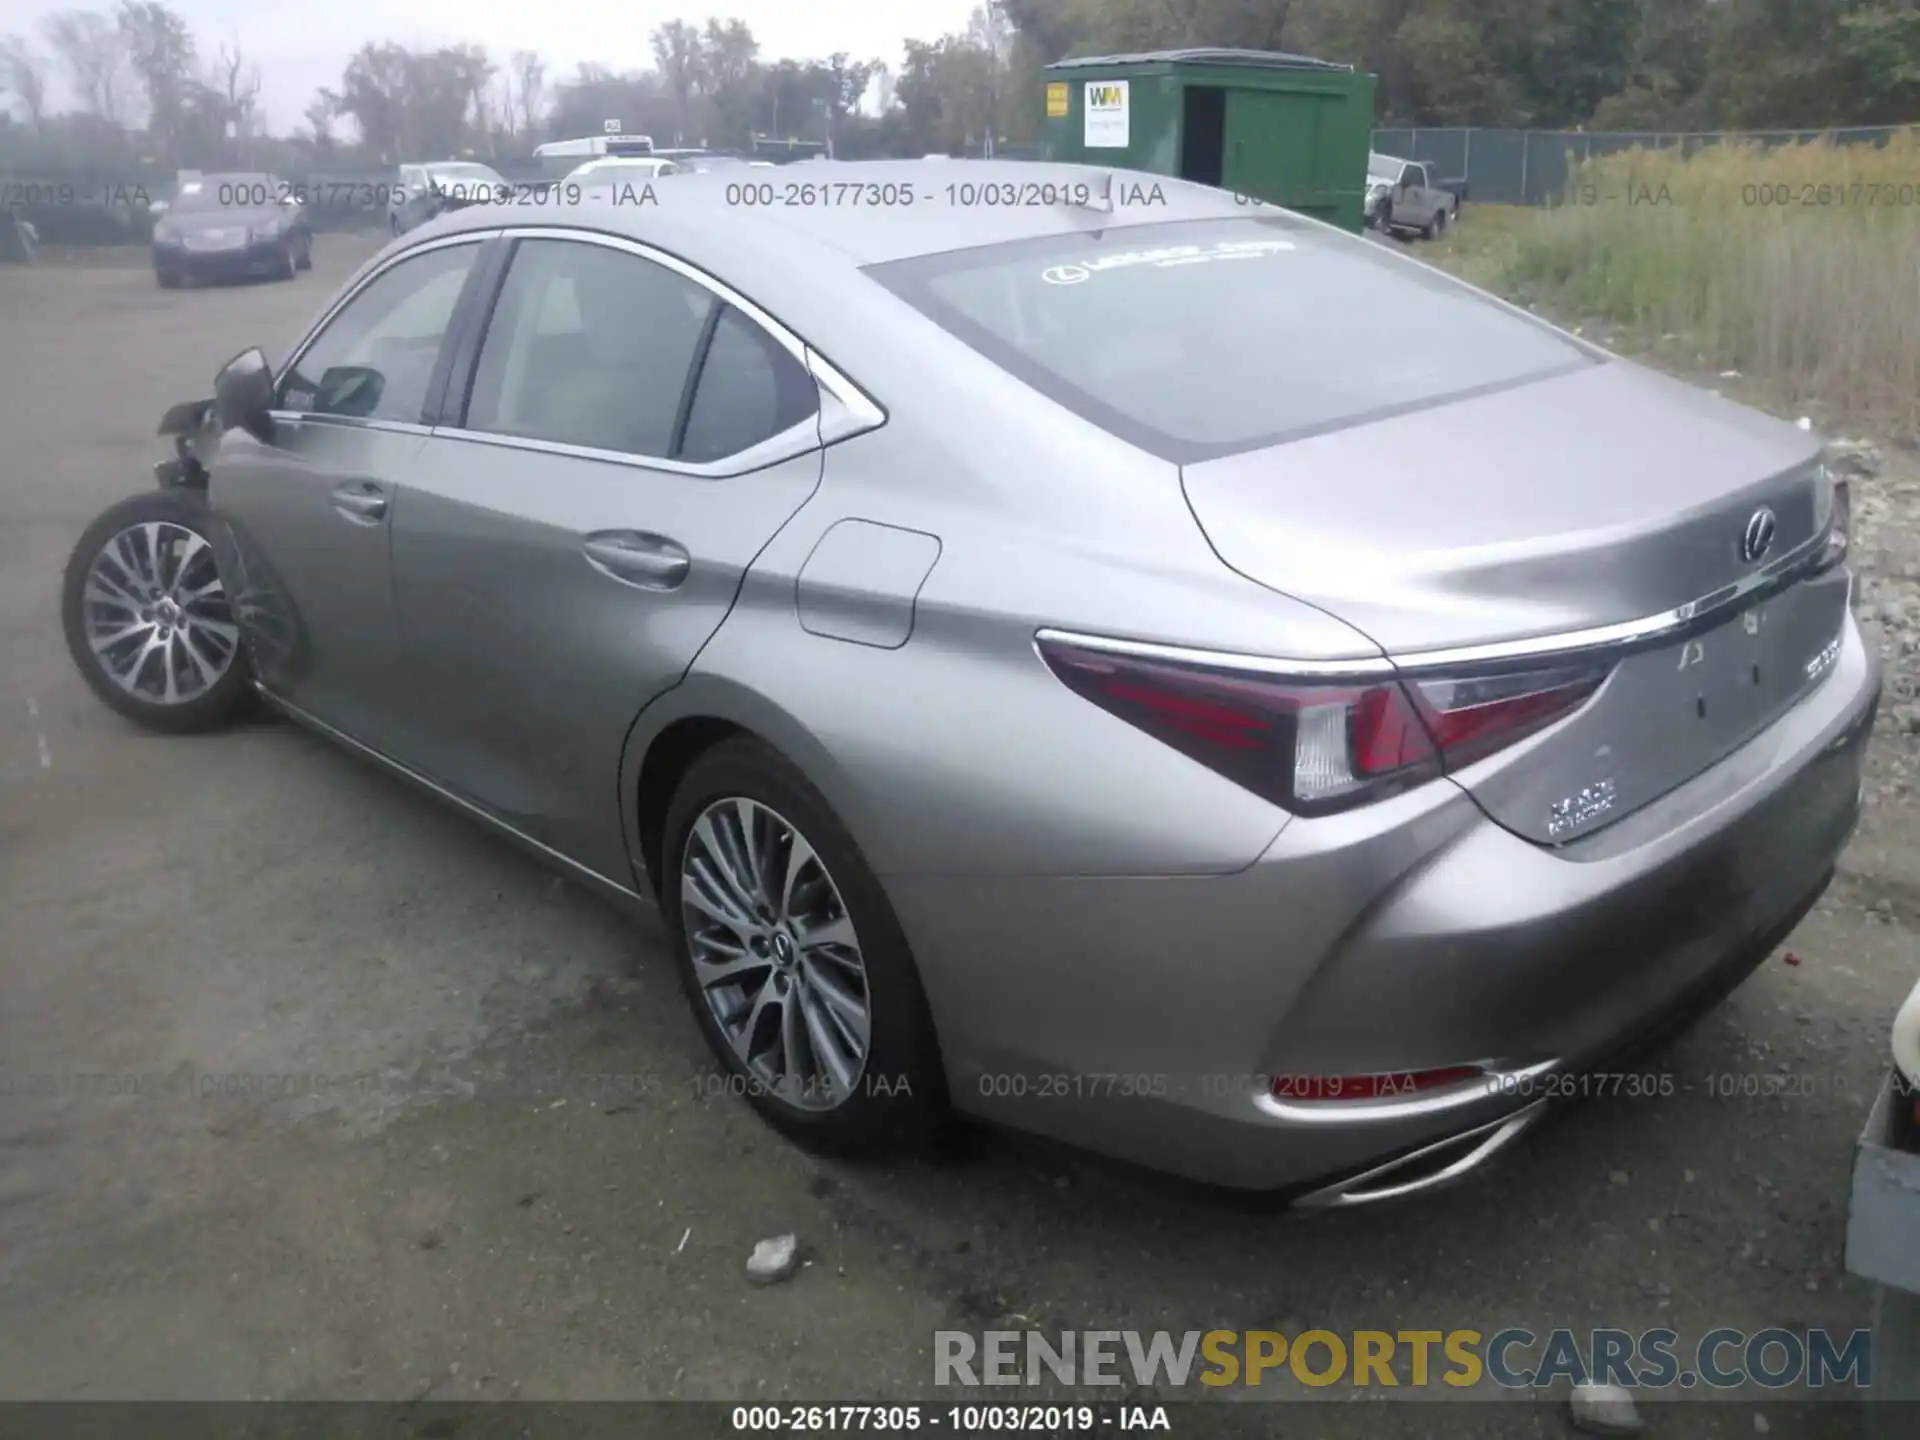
(1106,97)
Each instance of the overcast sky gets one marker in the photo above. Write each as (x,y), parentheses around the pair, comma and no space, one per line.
(303,45)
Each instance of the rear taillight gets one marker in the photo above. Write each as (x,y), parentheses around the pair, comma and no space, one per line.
(1314,746)
(1470,717)
(1839,523)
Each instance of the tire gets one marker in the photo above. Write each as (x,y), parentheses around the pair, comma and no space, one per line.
(166,281)
(289,262)
(898,1099)
(393,224)
(204,661)
(1442,222)
(305,261)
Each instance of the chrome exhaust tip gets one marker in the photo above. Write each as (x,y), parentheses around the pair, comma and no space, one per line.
(1429,1168)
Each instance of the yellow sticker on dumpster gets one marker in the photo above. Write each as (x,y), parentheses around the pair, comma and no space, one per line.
(1057,101)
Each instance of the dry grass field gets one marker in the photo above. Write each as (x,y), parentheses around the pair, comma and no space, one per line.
(1798,267)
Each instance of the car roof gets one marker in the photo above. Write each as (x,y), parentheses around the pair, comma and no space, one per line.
(801,262)
(862,218)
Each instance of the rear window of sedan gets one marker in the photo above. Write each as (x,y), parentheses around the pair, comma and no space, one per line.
(1206,338)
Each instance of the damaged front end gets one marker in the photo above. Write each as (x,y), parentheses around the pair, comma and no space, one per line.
(188,423)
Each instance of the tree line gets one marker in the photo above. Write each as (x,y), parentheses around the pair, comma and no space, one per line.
(1542,64)
(149,90)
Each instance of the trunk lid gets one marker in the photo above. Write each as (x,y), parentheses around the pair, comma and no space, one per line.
(1589,500)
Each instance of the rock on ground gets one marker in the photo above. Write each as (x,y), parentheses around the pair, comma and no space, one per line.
(1605,1410)
(773,1260)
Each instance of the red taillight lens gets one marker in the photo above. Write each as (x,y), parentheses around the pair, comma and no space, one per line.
(1839,524)
(1472,716)
(1306,746)
(1312,746)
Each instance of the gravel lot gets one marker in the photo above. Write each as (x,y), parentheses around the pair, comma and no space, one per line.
(525,1191)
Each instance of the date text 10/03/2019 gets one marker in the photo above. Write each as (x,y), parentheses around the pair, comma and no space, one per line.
(951,1419)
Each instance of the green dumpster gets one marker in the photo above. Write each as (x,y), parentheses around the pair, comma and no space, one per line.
(1286,129)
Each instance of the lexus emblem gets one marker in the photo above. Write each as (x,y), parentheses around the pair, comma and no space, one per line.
(1757,539)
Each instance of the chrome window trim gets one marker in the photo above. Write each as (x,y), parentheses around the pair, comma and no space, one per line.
(866,413)
(863,411)
(856,412)
(444,242)
(790,444)
(1220,659)
(1628,635)
(348,422)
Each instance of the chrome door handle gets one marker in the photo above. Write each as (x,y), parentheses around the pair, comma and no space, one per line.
(634,557)
(362,503)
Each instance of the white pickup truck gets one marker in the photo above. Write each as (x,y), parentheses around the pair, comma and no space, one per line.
(1403,197)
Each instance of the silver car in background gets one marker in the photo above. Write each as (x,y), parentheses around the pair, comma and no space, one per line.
(615,172)
(417,189)
(1050,663)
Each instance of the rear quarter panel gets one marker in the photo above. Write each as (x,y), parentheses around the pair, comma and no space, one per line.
(958,752)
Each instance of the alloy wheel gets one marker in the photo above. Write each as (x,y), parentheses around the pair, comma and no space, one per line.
(156,614)
(774,953)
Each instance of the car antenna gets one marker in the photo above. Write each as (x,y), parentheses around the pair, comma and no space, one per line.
(1103,200)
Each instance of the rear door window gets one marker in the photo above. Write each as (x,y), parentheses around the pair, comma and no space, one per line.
(589,346)
(749,390)
(600,348)
(1205,338)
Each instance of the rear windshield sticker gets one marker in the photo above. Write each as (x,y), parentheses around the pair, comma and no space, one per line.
(1163,259)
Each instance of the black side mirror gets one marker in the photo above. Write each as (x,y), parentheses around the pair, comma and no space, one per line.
(243,394)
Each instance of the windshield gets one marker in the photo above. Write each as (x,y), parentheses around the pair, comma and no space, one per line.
(227,192)
(1199,339)
(1379,167)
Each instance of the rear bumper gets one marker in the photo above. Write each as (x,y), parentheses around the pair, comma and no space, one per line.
(1144,1017)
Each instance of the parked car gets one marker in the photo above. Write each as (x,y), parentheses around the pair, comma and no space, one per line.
(1402,196)
(231,226)
(419,191)
(701,161)
(621,170)
(1253,753)
(556,157)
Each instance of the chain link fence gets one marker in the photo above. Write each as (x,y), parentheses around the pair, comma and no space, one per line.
(1531,167)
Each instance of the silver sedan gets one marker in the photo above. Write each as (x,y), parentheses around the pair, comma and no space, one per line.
(1047,660)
